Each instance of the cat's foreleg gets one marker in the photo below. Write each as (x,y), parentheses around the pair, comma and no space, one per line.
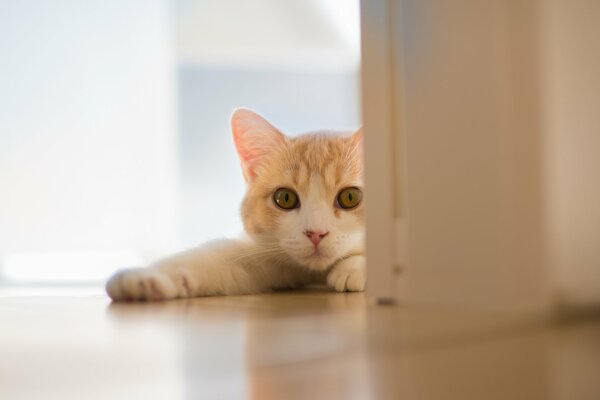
(226,267)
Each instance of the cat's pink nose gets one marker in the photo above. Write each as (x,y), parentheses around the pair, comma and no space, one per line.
(316,237)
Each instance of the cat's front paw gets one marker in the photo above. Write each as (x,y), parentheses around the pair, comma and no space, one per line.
(349,275)
(141,284)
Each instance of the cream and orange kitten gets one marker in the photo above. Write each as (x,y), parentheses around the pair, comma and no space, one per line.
(303,215)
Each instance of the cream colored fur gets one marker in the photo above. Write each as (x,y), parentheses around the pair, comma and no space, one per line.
(276,253)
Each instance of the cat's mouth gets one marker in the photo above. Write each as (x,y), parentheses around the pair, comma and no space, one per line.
(317,252)
(318,259)
(314,257)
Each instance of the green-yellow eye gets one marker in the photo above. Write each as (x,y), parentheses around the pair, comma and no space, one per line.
(349,197)
(285,198)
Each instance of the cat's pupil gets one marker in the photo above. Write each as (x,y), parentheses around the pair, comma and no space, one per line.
(350,196)
(287,197)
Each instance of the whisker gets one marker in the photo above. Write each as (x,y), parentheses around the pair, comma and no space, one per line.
(260,252)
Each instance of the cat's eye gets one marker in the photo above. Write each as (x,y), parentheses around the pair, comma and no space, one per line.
(349,197)
(285,198)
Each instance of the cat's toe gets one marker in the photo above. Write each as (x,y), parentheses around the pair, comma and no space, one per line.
(140,284)
(348,276)
(113,287)
(348,281)
(356,281)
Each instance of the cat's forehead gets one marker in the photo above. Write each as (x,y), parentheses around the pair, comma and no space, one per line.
(321,159)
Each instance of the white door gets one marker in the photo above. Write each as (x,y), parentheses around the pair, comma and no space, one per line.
(482,168)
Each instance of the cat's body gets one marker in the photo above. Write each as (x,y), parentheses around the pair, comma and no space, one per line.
(303,217)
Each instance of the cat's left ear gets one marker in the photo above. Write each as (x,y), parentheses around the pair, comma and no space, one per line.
(254,139)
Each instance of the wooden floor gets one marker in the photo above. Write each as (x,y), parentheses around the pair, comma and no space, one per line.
(311,345)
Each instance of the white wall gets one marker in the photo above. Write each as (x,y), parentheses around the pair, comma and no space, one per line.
(316,35)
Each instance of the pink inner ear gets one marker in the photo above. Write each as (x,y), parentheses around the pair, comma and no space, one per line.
(254,137)
(247,155)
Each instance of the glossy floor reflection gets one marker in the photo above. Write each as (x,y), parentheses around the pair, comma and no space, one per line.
(309,345)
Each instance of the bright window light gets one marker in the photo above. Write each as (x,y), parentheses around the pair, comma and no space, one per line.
(66,267)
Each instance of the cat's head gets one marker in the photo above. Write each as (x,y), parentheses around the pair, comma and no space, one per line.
(304,194)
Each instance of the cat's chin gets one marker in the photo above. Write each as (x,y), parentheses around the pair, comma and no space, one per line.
(317,262)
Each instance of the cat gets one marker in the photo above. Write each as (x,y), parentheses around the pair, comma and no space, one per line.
(303,216)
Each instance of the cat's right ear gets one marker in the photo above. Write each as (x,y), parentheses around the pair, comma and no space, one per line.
(254,138)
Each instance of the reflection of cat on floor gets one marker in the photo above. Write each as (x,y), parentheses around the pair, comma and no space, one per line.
(302,213)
